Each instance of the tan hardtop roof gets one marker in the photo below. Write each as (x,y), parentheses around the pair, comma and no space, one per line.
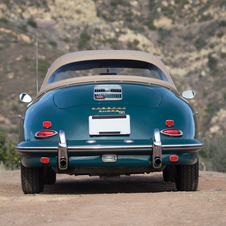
(105,54)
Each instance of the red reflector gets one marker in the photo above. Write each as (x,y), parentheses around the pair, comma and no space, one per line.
(172,132)
(169,123)
(47,124)
(44,160)
(45,133)
(173,158)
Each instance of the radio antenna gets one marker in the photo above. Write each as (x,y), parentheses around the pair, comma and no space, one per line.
(37,64)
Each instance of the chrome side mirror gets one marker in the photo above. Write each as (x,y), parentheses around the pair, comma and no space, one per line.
(24,97)
(188,94)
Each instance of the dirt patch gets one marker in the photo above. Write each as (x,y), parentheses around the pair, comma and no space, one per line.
(135,200)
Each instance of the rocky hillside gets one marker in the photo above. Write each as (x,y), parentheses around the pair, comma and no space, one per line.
(188,36)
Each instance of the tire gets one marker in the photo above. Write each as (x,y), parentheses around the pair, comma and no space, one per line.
(32,179)
(168,175)
(187,177)
(50,177)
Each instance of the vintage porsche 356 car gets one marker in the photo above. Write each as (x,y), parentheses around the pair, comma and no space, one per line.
(108,113)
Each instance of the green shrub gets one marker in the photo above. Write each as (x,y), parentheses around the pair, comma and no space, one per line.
(223,55)
(133,45)
(200,43)
(168,11)
(52,43)
(23,27)
(84,38)
(222,23)
(210,108)
(8,156)
(214,153)
(220,34)
(66,39)
(43,65)
(212,62)
(135,27)
(89,48)
(151,25)
(31,22)
(212,45)
(4,20)
(15,107)
(111,40)
(119,2)
(97,30)
(205,17)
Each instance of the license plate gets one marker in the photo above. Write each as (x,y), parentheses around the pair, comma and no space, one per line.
(109,125)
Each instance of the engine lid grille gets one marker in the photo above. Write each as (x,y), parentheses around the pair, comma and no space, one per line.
(107,92)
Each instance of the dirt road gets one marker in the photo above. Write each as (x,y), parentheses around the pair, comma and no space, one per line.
(136,200)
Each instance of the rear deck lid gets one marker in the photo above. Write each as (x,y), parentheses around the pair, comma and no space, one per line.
(108,94)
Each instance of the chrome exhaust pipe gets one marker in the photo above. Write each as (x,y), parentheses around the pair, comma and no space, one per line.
(63,162)
(157,161)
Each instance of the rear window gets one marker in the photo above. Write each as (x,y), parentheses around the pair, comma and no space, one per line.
(107,67)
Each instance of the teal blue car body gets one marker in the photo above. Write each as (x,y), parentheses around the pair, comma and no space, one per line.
(68,108)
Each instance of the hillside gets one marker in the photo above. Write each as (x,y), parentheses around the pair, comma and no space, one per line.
(188,36)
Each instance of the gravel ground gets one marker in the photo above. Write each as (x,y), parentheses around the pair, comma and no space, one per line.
(135,200)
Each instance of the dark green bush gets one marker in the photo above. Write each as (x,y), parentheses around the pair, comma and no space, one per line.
(43,66)
(4,20)
(31,22)
(220,34)
(222,23)
(66,39)
(84,38)
(200,43)
(205,17)
(223,55)
(23,27)
(151,25)
(52,43)
(8,156)
(212,62)
(119,2)
(214,153)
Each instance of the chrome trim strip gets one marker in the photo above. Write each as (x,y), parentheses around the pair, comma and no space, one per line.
(128,147)
(96,147)
(36,148)
(185,147)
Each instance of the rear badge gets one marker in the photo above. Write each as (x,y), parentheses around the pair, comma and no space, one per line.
(120,110)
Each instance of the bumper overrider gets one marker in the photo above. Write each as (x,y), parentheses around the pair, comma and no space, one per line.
(138,153)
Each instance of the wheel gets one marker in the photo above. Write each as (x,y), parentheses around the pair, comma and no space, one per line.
(187,177)
(32,179)
(50,177)
(168,175)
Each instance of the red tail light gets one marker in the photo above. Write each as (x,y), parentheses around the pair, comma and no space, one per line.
(44,160)
(47,124)
(169,123)
(45,134)
(172,132)
(173,158)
